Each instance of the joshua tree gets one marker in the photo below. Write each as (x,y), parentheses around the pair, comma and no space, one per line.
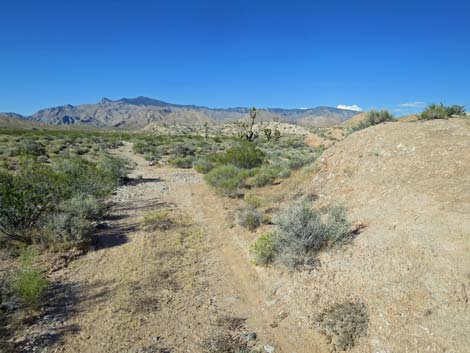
(206,130)
(277,135)
(246,129)
(251,135)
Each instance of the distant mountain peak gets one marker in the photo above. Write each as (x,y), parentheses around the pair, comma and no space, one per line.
(141,100)
(105,100)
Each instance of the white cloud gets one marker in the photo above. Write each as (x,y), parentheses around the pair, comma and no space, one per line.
(349,107)
(412,105)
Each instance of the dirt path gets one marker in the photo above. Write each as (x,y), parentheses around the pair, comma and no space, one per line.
(162,291)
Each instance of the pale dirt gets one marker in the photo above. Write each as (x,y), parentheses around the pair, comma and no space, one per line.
(410,183)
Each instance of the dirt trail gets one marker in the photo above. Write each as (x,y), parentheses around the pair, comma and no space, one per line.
(141,292)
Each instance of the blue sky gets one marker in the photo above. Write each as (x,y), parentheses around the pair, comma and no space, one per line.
(382,54)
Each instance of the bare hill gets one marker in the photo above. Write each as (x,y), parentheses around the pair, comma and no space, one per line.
(354,120)
(410,185)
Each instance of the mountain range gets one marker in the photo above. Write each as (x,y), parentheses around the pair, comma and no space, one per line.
(142,111)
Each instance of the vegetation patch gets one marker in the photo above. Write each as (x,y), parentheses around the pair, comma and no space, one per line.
(252,200)
(29,283)
(343,324)
(300,233)
(50,194)
(440,111)
(374,117)
(249,217)
(182,162)
(158,220)
(225,337)
(245,155)
(262,250)
(227,179)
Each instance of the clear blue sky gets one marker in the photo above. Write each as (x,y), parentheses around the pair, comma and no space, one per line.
(380,54)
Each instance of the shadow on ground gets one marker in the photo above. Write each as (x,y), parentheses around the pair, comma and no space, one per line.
(61,303)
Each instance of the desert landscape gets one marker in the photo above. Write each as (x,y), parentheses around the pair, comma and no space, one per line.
(234,176)
(237,236)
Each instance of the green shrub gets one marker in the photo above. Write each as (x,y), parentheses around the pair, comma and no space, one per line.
(183,150)
(24,198)
(297,162)
(252,200)
(249,218)
(263,250)
(113,168)
(82,177)
(29,283)
(227,179)
(203,165)
(435,111)
(337,226)
(85,206)
(65,230)
(182,162)
(374,117)
(456,110)
(303,232)
(246,155)
(69,192)
(265,176)
(32,148)
(283,171)
(139,147)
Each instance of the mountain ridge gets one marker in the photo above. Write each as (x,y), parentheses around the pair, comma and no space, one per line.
(140,111)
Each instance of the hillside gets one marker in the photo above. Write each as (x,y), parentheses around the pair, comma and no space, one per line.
(410,186)
(10,120)
(142,111)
